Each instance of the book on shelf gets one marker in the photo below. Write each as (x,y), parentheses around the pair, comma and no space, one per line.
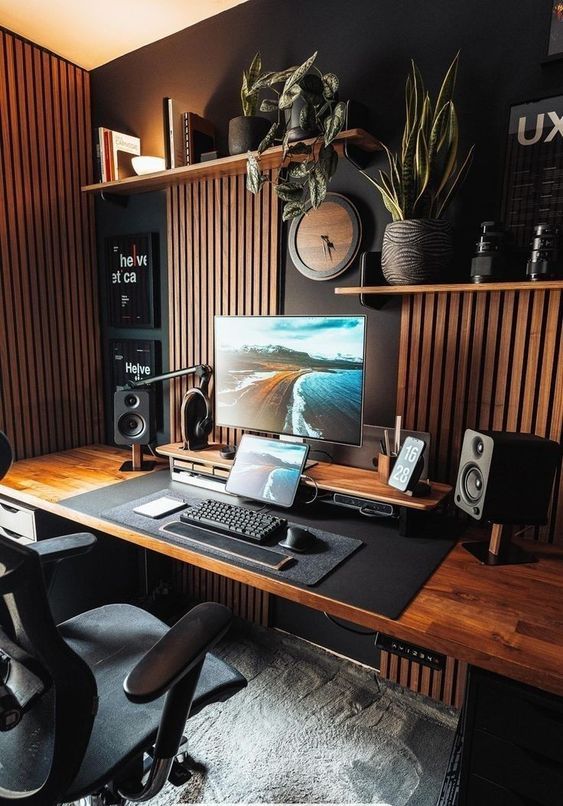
(186,135)
(199,137)
(115,151)
(173,135)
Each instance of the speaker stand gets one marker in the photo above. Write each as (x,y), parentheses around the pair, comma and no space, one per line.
(500,550)
(136,464)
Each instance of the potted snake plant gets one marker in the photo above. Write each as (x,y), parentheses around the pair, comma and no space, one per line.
(247,131)
(422,180)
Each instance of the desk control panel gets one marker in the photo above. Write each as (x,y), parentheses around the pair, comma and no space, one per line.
(417,654)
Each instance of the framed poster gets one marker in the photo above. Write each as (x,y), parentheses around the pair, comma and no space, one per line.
(555,34)
(131,278)
(133,360)
(533,174)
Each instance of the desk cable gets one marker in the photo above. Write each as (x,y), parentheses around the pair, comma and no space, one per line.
(316,495)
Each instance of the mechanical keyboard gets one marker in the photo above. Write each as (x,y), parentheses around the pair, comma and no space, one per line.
(233,520)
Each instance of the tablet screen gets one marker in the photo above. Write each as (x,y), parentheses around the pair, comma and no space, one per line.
(267,470)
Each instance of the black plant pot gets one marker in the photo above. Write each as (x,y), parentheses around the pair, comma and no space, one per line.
(246,133)
(416,251)
(292,122)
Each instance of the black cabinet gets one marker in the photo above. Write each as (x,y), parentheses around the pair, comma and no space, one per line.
(512,744)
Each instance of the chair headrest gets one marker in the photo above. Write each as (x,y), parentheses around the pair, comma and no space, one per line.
(6,454)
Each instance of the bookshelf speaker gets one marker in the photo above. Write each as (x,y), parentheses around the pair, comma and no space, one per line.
(133,416)
(506,478)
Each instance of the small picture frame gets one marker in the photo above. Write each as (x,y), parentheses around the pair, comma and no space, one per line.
(131,277)
(555,32)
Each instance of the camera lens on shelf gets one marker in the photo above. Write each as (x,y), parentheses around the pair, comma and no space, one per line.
(489,259)
(544,262)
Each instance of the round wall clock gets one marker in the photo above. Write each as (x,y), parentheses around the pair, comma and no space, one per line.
(325,241)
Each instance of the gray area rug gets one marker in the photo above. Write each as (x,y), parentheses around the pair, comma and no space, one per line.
(313,728)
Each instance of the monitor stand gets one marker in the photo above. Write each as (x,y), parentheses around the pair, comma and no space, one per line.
(286,438)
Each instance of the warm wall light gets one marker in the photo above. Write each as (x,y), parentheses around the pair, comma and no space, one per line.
(148,165)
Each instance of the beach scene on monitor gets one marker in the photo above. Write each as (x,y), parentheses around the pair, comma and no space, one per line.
(291,375)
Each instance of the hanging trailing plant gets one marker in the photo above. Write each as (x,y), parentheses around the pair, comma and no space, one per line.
(306,168)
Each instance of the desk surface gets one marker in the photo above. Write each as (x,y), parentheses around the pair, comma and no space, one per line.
(508,620)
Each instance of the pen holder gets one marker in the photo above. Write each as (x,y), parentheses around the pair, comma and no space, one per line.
(385,465)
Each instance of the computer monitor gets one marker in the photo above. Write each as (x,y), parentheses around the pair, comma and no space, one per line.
(301,376)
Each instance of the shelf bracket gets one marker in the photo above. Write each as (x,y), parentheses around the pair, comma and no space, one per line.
(371,261)
(115,198)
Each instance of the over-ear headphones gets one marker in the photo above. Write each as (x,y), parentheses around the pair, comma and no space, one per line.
(196,416)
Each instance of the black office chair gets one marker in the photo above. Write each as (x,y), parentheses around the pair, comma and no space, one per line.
(96,706)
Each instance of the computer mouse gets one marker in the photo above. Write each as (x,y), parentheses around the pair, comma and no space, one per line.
(298,539)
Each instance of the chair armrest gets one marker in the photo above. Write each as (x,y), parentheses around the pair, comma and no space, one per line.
(61,548)
(178,652)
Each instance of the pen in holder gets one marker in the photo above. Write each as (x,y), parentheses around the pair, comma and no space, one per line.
(385,465)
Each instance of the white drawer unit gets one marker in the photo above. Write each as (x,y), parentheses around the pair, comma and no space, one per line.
(17,521)
(26,524)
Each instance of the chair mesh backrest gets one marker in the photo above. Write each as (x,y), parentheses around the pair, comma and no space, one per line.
(40,757)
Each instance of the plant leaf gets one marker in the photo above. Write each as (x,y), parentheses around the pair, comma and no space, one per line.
(254,178)
(328,160)
(297,170)
(389,202)
(448,85)
(254,70)
(300,71)
(269,138)
(289,191)
(317,186)
(330,84)
(292,210)
(269,105)
(452,139)
(333,123)
(288,96)
(457,182)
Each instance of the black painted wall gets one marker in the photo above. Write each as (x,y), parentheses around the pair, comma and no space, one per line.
(368,43)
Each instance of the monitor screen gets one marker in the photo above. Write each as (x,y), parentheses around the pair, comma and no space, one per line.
(296,375)
(267,470)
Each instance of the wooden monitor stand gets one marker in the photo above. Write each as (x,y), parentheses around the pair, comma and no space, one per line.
(328,477)
(500,550)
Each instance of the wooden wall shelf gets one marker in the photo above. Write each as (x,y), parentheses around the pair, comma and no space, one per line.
(226,166)
(452,288)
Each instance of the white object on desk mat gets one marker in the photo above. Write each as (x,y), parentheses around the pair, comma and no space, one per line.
(160,507)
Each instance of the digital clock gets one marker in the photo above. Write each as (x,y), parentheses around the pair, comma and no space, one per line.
(408,466)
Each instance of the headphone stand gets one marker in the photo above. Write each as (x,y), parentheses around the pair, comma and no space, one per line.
(136,464)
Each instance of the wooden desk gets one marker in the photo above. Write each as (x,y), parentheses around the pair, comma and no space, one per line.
(507,620)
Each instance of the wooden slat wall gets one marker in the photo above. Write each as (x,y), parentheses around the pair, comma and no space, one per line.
(447,686)
(50,381)
(204,586)
(490,361)
(222,259)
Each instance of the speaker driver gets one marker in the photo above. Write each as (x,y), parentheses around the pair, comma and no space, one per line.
(131,401)
(472,483)
(131,425)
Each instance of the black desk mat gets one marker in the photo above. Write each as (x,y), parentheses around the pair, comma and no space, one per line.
(383,576)
(308,569)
